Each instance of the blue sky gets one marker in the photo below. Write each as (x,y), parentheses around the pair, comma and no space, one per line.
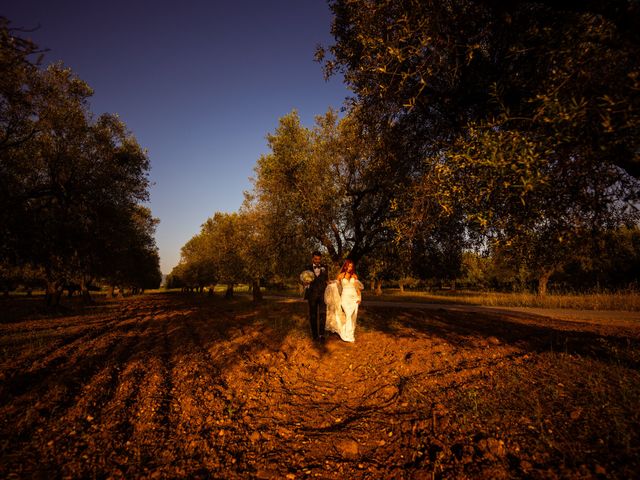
(199,83)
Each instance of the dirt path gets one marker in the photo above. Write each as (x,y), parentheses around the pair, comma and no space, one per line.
(168,386)
(609,317)
(620,318)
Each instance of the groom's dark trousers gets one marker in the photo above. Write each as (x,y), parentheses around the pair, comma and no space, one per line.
(317,315)
(317,308)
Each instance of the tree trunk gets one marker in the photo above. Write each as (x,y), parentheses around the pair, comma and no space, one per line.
(84,291)
(372,284)
(53,294)
(401,285)
(378,290)
(257,293)
(229,293)
(543,280)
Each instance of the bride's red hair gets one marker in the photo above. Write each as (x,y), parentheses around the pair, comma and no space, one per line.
(346,264)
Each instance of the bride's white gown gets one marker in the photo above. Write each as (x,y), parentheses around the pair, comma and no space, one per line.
(342,310)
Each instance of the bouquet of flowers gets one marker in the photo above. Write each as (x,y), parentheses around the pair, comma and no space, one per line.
(307,277)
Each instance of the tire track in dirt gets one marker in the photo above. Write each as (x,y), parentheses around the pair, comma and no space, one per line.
(150,417)
(258,352)
(249,350)
(237,341)
(200,415)
(21,381)
(66,398)
(32,365)
(91,416)
(133,425)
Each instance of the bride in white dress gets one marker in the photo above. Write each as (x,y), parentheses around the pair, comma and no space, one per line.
(342,308)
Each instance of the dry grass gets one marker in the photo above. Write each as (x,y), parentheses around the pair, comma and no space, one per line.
(625,301)
(628,301)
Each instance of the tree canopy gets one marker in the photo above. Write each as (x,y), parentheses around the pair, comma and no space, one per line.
(327,184)
(520,116)
(72,185)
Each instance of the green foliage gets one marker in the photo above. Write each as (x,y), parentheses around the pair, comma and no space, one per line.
(71,185)
(231,248)
(133,256)
(521,119)
(610,262)
(294,187)
(325,187)
(614,264)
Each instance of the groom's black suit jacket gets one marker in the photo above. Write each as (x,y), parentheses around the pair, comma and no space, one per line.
(319,284)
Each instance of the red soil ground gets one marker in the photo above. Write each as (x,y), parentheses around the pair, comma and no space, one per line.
(171,386)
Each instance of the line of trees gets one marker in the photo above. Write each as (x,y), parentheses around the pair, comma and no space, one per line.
(72,186)
(507,131)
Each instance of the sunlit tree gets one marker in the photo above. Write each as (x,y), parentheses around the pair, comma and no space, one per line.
(196,268)
(326,186)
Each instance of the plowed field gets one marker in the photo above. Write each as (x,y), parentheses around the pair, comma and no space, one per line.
(173,386)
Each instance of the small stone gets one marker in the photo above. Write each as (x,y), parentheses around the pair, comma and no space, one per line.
(348,448)
(496,447)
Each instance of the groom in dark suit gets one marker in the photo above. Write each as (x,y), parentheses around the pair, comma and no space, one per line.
(314,294)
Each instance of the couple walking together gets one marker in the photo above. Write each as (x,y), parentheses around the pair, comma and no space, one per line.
(333,305)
